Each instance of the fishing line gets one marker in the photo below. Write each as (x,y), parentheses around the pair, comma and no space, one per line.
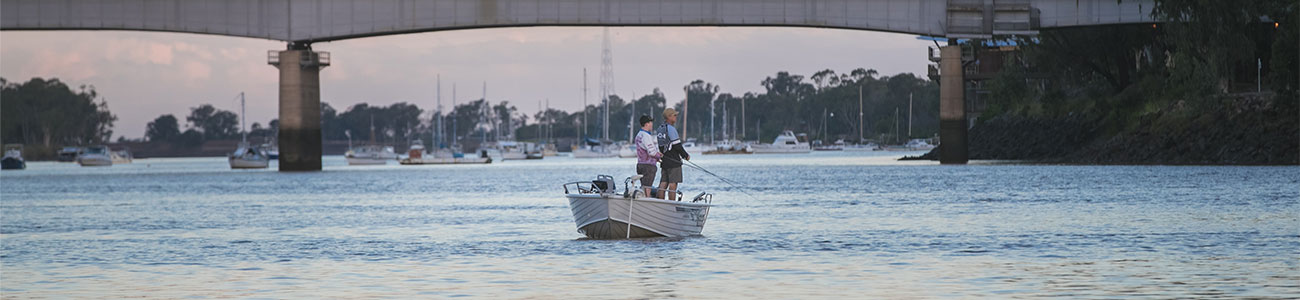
(723,179)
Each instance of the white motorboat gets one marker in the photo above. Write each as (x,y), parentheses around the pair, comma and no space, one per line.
(120,156)
(787,142)
(532,150)
(919,144)
(370,155)
(508,150)
(13,159)
(592,152)
(69,154)
(549,150)
(865,147)
(912,145)
(594,149)
(838,145)
(272,151)
(691,147)
(626,151)
(731,147)
(95,156)
(600,212)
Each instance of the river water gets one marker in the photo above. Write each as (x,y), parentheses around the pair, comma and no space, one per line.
(822,225)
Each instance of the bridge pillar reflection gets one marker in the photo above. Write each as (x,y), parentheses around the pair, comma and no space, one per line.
(952,106)
(300,132)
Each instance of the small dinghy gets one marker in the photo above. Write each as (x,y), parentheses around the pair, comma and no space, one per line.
(601,212)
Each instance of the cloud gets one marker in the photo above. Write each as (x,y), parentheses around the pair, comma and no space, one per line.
(64,65)
(195,71)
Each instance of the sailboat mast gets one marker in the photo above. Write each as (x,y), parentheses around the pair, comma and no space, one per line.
(584,104)
(909,115)
(439,134)
(860,125)
(539,122)
(453,108)
(244,138)
(631,119)
(725,134)
(484,114)
(548,121)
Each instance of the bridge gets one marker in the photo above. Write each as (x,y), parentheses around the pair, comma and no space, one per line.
(300,23)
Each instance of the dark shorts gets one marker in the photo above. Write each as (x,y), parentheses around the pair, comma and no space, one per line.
(647,173)
(672,175)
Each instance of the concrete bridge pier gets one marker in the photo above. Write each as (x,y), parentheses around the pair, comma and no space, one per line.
(300,132)
(952,106)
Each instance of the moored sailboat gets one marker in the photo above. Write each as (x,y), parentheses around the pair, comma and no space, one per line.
(245,156)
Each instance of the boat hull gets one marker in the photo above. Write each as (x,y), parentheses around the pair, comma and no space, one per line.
(513,155)
(587,153)
(445,160)
(11,163)
(358,161)
(859,149)
(239,163)
(766,150)
(94,160)
(607,217)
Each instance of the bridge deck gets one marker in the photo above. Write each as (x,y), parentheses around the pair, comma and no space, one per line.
(308,21)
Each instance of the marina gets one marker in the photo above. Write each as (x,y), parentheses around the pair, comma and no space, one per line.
(185,227)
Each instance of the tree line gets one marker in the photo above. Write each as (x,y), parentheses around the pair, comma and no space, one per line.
(1204,51)
(48,113)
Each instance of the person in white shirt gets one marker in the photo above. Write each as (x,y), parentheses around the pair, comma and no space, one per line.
(647,154)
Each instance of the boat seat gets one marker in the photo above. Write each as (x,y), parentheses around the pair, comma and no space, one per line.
(604,184)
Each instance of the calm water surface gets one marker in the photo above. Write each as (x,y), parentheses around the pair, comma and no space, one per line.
(807,226)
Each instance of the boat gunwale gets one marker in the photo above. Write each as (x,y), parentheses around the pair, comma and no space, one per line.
(608,197)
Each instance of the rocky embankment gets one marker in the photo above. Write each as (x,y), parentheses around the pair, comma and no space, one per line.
(1241,132)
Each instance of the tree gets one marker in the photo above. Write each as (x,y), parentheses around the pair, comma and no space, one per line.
(165,128)
(699,95)
(213,123)
(47,112)
(1217,36)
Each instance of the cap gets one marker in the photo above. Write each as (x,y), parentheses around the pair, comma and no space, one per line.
(669,113)
(645,119)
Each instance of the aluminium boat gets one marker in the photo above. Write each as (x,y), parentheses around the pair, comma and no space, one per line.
(601,212)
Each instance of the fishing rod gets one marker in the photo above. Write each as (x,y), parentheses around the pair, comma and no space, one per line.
(723,179)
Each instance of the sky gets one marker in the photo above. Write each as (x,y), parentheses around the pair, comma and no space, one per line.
(143,75)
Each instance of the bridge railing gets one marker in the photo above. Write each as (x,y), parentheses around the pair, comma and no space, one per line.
(308,59)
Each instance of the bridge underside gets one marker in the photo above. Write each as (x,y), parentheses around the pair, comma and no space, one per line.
(318,21)
(301,23)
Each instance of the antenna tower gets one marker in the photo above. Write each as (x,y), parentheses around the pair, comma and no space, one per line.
(606,78)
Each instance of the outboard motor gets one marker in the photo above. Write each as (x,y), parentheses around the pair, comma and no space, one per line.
(604,183)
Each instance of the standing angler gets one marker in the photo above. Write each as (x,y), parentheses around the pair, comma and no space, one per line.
(647,154)
(673,154)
